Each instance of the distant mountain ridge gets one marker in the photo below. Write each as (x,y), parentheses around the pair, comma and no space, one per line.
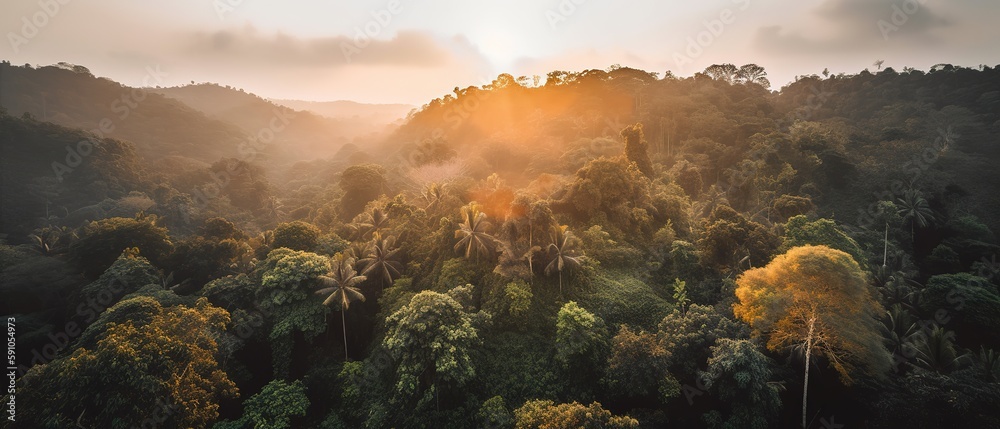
(309,133)
(158,126)
(200,122)
(386,113)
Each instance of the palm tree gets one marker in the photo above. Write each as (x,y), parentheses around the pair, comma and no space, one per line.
(564,252)
(535,213)
(936,352)
(340,284)
(379,260)
(41,244)
(358,249)
(513,263)
(367,222)
(989,362)
(272,207)
(473,233)
(915,210)
(51,240)
(529,255)
(898,329)
(517,251)
(896,288)
(266,238)
(709,200)
(432,193)
(354,230)
(374,220)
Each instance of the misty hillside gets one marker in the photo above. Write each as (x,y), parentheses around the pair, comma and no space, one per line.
(40,185)
(851,136)
(344,109)
(611,248)
(200,123)
(157,125)
(308,134)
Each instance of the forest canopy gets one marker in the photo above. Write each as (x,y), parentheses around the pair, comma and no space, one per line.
(609,248)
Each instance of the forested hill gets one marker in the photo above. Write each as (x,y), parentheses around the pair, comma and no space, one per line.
(306,135)
(199,123)
(856,134)
(158,126)
(34,193)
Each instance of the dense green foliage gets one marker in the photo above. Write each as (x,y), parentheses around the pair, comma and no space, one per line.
(166,365)
(667,250)
(742,375)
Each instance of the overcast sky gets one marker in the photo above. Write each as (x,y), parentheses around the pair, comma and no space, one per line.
(309,49)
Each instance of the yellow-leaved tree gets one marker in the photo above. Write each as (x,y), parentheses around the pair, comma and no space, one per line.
(815,299)
(148,365)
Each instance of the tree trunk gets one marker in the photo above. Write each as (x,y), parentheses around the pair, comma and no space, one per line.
(343,324)
(560,283)
(531,244)
(885,247)
(805,384)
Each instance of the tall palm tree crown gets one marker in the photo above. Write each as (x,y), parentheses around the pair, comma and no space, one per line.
(341,282)
(564,251)
(341,285)
(473,233)
(380,262)
(915,210)
(375,220)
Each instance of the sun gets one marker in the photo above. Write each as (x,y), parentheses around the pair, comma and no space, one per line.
(501,47)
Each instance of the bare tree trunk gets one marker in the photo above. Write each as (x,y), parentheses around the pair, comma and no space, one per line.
(670,134)
(885,247)
(530,245)
(805,384)
(343,324)
(560,283)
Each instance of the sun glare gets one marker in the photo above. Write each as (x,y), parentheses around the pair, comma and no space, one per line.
(501,47)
